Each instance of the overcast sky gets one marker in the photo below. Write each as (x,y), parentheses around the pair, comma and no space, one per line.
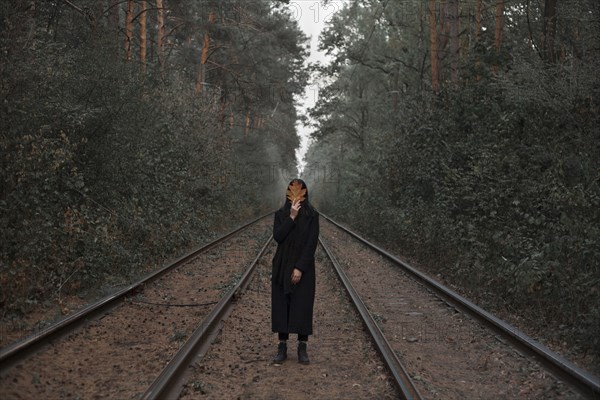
(311,16)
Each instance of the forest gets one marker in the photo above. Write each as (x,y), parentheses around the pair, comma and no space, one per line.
(465,136)
(462,135)
(134,131)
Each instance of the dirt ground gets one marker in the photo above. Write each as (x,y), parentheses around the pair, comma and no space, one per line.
(343,361)
(42,315)
(449,355)
(119,355)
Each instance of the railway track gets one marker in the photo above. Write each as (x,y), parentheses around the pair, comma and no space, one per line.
(346,362)
(584,383)
(344,359)
(22,348)
(130,333)
(402,378)
(171,381)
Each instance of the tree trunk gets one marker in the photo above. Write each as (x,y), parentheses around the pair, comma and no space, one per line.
(453,14)
(129,30)
(477,20)
(222,116)
(549,30)
(443,38)
(160,22)
(144,7)
(31,16)
(477,35)
(201,77)
(113,21)
(258,121)
(247,127)
(499,23)
(435,83)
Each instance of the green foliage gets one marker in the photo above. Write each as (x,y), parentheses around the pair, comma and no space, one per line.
(108,170)
(494,183)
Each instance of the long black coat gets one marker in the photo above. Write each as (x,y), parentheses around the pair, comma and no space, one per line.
(293,312)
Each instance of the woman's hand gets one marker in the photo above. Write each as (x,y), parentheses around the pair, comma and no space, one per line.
(295,209)
(296,275)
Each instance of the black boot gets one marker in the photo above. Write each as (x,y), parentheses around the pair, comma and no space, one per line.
(302,354)
(281,353)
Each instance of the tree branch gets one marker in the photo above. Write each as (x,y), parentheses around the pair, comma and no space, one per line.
(85,12)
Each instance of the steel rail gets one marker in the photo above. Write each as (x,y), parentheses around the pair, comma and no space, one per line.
(12,354)
(408,390)
(169,383)
(583,381)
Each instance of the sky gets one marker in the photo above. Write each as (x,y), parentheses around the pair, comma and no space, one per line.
(312,15)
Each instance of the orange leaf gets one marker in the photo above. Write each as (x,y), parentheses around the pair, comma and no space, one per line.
(295,191)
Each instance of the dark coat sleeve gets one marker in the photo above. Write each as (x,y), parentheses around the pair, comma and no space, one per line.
(307,256)
(282,226)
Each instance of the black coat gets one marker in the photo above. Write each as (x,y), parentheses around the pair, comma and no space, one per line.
(292,305)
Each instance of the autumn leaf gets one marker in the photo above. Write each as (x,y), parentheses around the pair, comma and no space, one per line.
(295,191)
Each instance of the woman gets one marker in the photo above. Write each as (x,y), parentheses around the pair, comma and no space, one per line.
(296,230)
